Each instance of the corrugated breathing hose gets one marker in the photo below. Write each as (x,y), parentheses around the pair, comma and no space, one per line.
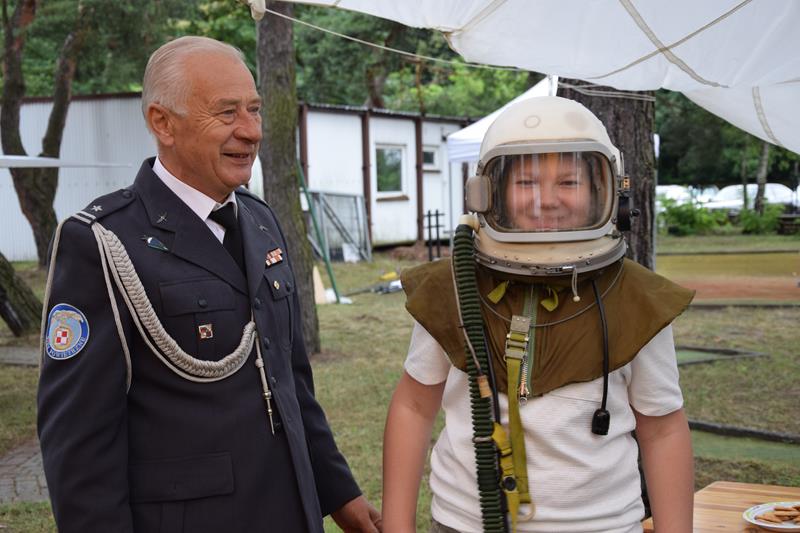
(477,360)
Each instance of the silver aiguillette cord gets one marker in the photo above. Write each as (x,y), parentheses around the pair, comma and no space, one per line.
(267,392)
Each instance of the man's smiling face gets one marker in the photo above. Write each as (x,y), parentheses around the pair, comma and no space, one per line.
(215,141)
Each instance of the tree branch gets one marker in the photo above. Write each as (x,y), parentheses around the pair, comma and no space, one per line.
(64,75)
(14,82)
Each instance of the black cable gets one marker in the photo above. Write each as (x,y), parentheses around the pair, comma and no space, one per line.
(602,418)
(492,380)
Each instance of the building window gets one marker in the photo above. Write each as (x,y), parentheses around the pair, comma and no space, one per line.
(389,165)
(429,159)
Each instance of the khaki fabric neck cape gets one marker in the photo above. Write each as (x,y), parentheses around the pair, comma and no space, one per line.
(638,305)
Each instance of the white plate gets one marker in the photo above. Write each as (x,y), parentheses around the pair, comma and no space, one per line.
(750,516)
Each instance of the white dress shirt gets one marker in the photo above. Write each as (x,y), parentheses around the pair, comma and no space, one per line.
(198,202)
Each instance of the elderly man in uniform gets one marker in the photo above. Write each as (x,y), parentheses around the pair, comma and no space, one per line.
(176,392)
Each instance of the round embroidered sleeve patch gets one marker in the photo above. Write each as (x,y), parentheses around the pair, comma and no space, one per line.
(67,331)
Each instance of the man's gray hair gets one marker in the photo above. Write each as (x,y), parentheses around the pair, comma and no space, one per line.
(165,81)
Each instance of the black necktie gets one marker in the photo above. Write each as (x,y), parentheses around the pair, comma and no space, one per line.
(225,217)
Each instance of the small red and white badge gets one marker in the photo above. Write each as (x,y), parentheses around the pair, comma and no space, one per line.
(62,337)
(206,331)
(274,256)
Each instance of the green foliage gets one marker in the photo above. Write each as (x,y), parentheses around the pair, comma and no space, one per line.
(689,219)
(692,219)
(456,91)
(388,168)
(333,70)
(700,148)
(696,146)
(120,38)
(753,223)
(225,21)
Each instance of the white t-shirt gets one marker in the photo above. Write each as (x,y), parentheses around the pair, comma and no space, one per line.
(579,481)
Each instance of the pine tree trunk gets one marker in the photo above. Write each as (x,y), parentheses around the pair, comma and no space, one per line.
(36,187)
(743,177)
(276,70)
(19,307)
(377,71)
(761,178)
(630,124)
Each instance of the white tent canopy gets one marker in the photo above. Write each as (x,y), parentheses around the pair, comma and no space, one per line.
(737,58)
(464,145)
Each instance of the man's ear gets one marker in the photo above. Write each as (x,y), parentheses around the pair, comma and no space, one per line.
(160,122)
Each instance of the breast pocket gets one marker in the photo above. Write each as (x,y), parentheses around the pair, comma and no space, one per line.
(182,494)
(193,312)
(280,285)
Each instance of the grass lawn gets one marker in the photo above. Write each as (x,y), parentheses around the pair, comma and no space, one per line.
(364,345)
(27,518)
(17,405)
(715,392)
(755,265)
(777,454)
(760,392)
(725,243)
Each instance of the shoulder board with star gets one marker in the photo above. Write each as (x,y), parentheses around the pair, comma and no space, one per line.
(104,206)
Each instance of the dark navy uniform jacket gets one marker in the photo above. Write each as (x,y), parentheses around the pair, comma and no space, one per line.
(169,454)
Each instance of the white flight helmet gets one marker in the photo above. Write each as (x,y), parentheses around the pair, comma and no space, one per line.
(548,191)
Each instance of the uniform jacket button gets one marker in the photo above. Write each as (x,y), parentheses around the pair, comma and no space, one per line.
(126,193)
(288,285)
(257,303)
(202,302)
(266,342)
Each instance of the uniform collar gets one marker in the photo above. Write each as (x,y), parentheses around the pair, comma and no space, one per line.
(197,201)
(192,239)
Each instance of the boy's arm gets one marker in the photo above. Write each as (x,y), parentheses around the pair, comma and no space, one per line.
(406,438)
(668,468)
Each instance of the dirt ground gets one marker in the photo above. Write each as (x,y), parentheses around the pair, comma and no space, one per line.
(418,251)
(782,289)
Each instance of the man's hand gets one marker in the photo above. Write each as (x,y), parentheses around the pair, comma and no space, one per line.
(358,516)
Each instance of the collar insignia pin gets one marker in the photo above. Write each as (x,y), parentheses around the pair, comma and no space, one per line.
(274,256)
(161,218)
(154,243)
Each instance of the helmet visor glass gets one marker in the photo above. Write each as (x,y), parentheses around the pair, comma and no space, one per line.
(556,191)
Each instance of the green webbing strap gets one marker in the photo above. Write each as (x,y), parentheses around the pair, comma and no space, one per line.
(517,347)
(507,480)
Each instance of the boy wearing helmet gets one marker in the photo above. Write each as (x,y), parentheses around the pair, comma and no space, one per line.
(544,347)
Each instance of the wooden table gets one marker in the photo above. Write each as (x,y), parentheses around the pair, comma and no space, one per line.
(719,506)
